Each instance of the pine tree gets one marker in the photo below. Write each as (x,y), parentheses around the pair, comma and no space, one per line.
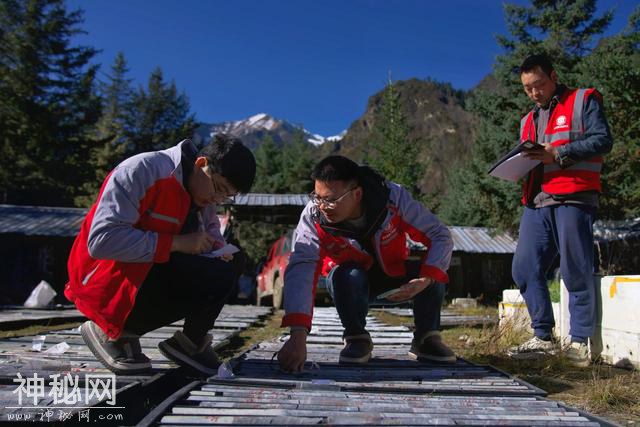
(565,30)
(256,237)
(48,104)
(297,162)
(614,68)
(159,116)
(110,131)
(392,153)
(269,173)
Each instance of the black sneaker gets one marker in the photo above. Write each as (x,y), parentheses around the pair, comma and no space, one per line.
(122,356)
(431,348)
(180,349)
(357,349)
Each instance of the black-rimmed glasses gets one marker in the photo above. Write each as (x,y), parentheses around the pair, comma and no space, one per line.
(329,204)
(227,199)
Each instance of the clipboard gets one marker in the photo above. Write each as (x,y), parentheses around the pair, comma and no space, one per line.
(514,165)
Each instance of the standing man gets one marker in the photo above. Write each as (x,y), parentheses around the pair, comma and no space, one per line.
(136,264)
(355,229)
(560,197)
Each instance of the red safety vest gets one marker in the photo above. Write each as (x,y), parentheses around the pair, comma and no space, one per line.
(565,126)
(390,244)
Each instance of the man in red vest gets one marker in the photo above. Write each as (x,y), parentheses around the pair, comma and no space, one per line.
(136,266)
(560,197)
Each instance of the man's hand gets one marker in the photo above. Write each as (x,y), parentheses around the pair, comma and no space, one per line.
(226,257)
(192,243)
(411,289)
(546,156)
(293,353)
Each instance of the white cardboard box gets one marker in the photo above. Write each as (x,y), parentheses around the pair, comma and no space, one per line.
(512,311)
(617,336)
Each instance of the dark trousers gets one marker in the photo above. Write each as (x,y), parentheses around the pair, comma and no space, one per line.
(353,290)
(189,287)
(545,233)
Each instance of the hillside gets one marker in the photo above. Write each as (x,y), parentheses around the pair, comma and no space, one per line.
(434,112)
(438,122)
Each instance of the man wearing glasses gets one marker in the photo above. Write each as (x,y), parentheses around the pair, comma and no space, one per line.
(135,265)
(355,230)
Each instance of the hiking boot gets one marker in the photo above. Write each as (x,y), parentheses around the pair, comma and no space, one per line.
(430,347)
(122,356)
(180,349)
(357,349)
(534,345)
(578,354)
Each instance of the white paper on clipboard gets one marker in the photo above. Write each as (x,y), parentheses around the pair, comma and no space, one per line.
(514,168)
(514,165)
(227,249)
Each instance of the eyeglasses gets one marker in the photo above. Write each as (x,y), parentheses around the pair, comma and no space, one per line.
(228,198)
(328,204)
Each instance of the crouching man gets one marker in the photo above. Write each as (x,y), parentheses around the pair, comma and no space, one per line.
(355,230)
(136,266)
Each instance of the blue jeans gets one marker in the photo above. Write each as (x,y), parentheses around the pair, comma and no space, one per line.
(354,289)
(545,233)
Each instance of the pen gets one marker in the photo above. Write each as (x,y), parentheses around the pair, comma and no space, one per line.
(200,221)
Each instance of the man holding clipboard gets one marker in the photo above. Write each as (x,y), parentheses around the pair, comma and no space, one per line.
(355,229)
(560,194)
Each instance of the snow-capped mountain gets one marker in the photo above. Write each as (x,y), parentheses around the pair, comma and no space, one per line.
(253,130)
(316,139)
(259,122)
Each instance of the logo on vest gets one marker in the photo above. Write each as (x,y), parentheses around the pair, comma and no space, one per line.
(389,232)
(561,122)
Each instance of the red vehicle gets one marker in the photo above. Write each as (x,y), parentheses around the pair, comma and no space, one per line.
(271,277)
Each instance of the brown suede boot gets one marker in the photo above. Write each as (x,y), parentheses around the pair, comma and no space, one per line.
(430,347)
(180,349)
(357,349)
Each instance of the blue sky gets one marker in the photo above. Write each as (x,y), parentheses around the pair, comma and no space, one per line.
(313,63)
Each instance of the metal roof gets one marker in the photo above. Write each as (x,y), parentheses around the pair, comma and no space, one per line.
(480,240)
(263,199)
(41,220)
(65,222)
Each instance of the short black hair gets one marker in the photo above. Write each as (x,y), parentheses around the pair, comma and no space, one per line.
(336,168)
(538,60)
(229,157)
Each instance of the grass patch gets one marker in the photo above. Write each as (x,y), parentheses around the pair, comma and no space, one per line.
(609,390)
(265,330)
(479,310)
(392,319)
(554,290)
